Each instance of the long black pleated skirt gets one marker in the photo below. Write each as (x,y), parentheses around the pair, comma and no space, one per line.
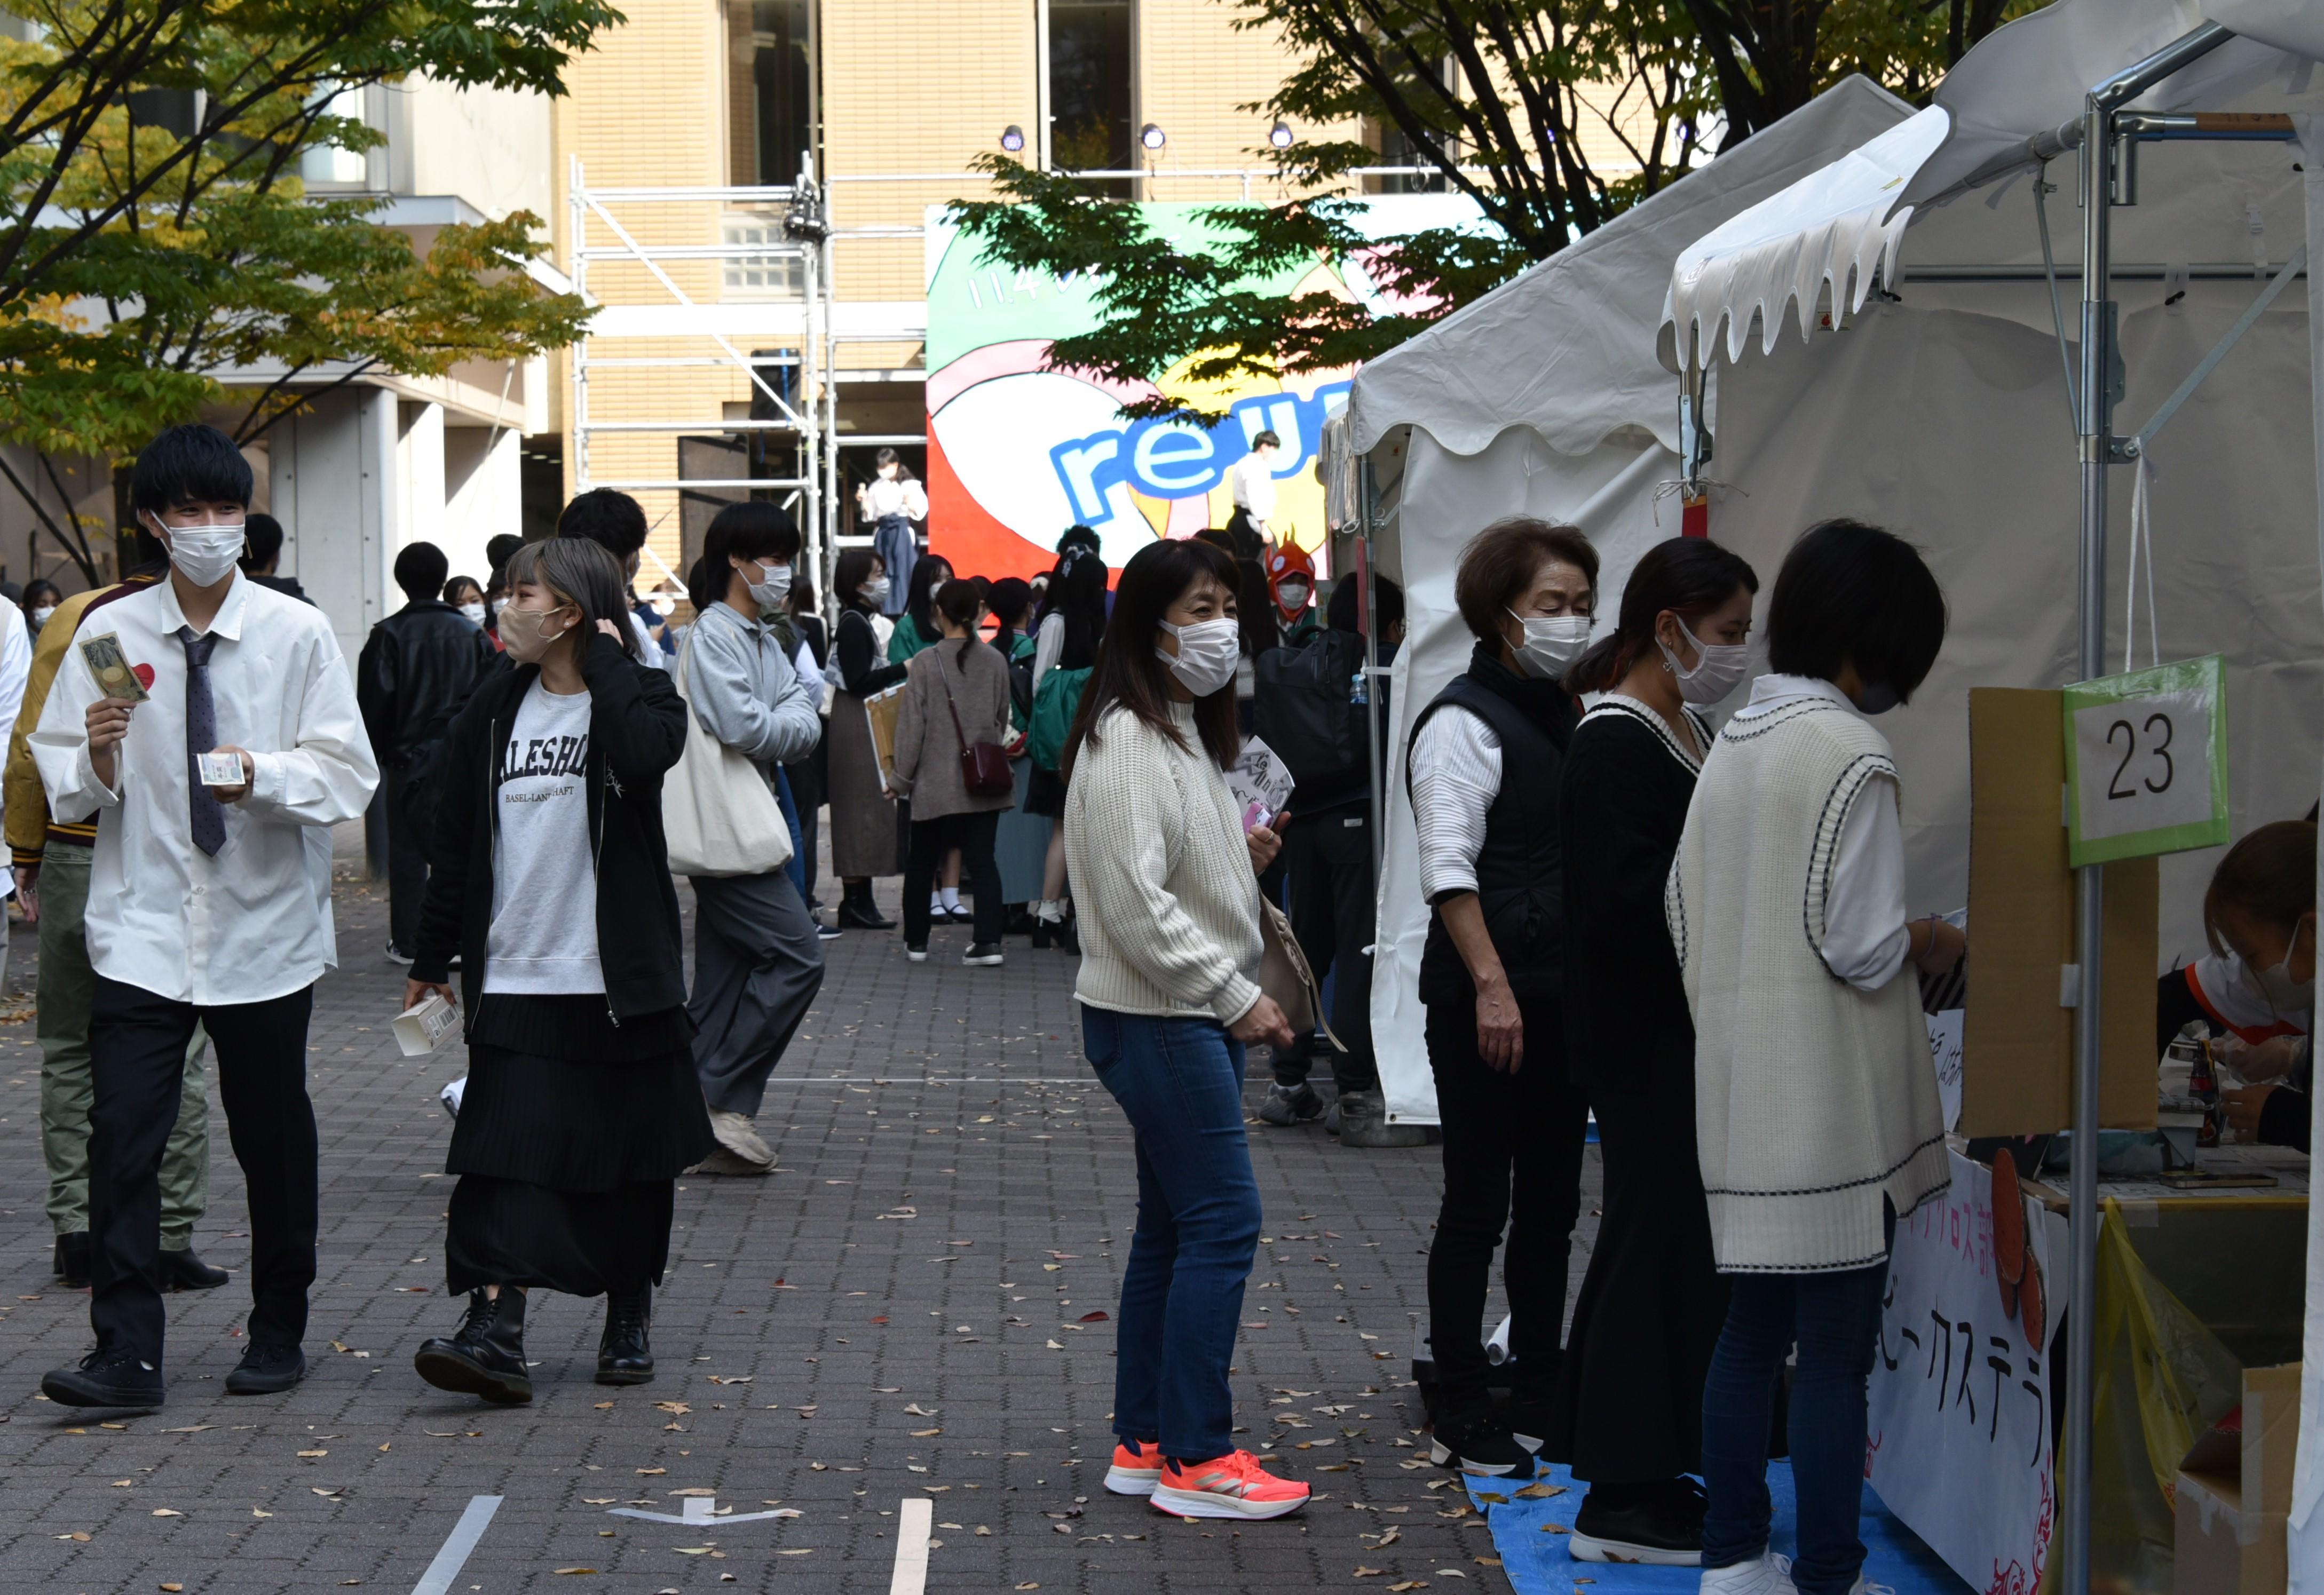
(570,1138)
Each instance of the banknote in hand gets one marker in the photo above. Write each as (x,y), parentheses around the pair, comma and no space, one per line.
(110,666)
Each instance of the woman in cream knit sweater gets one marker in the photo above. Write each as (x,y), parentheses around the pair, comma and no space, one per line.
(1815,1106)
(1166,883)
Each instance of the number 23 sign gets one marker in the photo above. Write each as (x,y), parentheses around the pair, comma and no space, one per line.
(2147,763)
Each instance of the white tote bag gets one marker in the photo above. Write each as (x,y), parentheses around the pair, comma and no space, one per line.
(718,814)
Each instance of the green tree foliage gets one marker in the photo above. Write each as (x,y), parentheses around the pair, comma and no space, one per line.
(155,232)
(1502,100)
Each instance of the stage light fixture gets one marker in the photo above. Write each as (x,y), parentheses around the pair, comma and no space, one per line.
(1152,137)
(1012,138)
(1281,136)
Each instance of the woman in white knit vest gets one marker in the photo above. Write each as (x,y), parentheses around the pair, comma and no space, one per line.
(1815,1107)
(1166,885)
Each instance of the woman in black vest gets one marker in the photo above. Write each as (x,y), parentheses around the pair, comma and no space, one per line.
(1483,775)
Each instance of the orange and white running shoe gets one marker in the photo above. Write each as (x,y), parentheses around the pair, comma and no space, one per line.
(1232,1486)
(1137,1468)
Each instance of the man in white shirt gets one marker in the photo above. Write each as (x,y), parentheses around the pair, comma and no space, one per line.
(616,522)
(1252,483)
(209,902)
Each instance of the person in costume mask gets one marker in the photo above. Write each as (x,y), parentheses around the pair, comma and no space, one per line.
(1291,583)
(1486,758)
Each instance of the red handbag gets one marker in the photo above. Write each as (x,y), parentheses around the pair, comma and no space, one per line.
(983,766)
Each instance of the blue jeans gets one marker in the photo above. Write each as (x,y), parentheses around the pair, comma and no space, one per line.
(796,868)
(1835,1319)
(1179,1081)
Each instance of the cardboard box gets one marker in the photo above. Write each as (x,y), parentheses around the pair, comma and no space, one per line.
(2233,1492)
(2018,1041)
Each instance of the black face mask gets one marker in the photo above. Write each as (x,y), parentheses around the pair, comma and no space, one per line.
(1879,698)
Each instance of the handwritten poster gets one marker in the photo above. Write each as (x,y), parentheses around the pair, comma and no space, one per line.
(1962,1388)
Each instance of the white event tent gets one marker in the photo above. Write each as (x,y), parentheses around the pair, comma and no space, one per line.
(1545,398)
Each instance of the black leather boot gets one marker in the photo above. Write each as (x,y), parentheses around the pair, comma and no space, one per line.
(485,1357)
(72,1263)
(857,911)
(623,1355)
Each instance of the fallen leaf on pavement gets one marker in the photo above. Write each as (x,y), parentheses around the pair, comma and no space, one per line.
(1407,1584)
(1540,1492)
(925,1433)
(678,1407)
(256,1512)
(1095,1317)
(1056,1346)
(1370,1572)
(597,1501)
(651,1470)
(572,1570)
(166,1512)
(314,1454)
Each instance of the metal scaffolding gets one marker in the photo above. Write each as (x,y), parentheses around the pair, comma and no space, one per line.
(805,415)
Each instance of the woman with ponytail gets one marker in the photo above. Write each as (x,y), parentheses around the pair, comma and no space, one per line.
(1629,1415)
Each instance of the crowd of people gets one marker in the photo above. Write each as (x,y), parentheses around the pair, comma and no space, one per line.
(1700,939)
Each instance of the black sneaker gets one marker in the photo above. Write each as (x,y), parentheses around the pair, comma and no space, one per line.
(1291,1104)
(105,1378)
(981,954)
(1480,1446)
(1659,1526)
(267,1369)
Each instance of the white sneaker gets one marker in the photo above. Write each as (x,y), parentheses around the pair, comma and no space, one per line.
(1769,1575)
(735,1133)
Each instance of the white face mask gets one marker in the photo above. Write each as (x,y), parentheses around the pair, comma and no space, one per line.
(1292,596)
(206,554)
(499,605)
(1207,653)
(2291,1000)
(1552,642)
(775,581)
(875,591)
(42,613)
(1718,668)
(475,611)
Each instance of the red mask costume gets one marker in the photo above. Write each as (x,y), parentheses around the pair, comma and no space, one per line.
(1291,579)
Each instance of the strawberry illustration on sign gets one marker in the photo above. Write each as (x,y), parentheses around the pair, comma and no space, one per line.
(144,674)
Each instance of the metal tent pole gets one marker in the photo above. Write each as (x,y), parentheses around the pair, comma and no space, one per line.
(1367,553)
(2104,184)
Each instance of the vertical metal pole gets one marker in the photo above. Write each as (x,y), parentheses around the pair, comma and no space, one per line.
(1366,551)
(2096,448)
(808,453)
(577,204)
(2094,443)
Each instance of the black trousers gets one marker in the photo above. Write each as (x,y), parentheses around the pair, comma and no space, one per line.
(1329,857)
(973,834)
(137,1063)
(1513,1147)
(407,868)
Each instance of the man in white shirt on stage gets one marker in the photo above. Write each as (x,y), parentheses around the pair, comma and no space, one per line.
(1252,481)
(207,902)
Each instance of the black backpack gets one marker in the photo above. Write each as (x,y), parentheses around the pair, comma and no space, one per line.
(1301,708)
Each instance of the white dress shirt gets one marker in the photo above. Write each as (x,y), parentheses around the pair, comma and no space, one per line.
(1253,481)
(885,496)
(254,922)
(1456,775)
(1866,938)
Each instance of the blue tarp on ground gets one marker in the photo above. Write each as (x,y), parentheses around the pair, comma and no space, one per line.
(1530,1538)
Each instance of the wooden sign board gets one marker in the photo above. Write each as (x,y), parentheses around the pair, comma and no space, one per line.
(2017,1065)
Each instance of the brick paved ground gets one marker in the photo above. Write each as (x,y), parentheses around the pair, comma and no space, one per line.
(897,1313)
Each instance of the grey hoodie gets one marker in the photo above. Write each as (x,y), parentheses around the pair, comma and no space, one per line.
(745,692)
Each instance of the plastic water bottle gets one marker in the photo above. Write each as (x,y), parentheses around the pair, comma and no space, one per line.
(1357,693)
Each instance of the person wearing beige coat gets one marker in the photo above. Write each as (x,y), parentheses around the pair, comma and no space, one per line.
(955,694)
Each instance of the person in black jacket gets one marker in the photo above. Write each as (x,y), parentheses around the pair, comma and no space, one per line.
(1327,852)
(552,885)
(1485,760)
(1629,1416)
(416,670)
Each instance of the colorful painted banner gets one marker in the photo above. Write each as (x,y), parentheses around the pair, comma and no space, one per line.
(1018,453)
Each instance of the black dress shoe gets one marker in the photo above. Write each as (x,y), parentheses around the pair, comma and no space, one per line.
(105,1378)
(72,1262)
(267,1369)
(182,1270)
(625,1356)
(485,1356)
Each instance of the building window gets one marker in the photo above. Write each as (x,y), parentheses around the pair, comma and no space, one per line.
(761,276)
(1092,112)
(771,89)
(329,165)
